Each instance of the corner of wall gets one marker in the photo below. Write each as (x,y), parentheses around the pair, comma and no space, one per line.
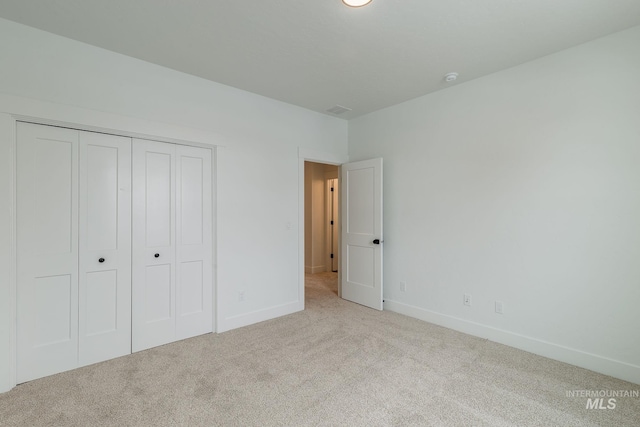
(7,256)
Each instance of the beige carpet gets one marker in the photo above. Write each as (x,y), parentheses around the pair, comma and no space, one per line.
(335,364)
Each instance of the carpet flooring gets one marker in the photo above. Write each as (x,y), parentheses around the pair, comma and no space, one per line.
(334,364)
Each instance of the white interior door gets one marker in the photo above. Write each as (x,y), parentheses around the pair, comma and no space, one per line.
(154,219)
(361,207)
(172,243)
(80,298)
(194,284)
(105,247)
(47,251)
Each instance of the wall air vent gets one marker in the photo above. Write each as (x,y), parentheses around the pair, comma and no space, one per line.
(338,109)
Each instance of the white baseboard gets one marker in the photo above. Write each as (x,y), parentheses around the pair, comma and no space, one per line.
(315,269)
(593,362)
(246,319)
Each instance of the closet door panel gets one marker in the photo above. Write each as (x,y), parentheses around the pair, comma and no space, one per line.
(105,247)
(100,307)
(47,251)
(52,304)
(158,305)
(154,285)
(193,242)
(159,190)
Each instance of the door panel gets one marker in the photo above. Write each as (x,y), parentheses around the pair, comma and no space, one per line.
(191,288)
(362,260)
(101,301)
(191,195)
(158,300)
(360,207)
(362,224)
(154,285)
(101,183)
(52,165)
(47,251)
(105,234)
(194,242)
(159,187)
(53,300)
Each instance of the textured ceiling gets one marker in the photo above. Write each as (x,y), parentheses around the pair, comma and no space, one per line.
(319,53)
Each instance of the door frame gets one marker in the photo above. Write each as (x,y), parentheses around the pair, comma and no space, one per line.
(306,155)
(329,234)
(8,250)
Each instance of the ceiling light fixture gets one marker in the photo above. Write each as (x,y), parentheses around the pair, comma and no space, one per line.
(356,3)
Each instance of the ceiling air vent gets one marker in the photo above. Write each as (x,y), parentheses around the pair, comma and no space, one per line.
(338,109)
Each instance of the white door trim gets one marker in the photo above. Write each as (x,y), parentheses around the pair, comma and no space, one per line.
(8,284)
(109,131)
(319,157)
(329,232)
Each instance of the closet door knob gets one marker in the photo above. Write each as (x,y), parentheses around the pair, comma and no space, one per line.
(156,255)
(101,260)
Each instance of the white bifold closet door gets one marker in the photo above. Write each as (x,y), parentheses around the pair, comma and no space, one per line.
(172,296)
(73,249)
(105,247)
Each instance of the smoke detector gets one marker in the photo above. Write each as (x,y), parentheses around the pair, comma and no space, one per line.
(450,77)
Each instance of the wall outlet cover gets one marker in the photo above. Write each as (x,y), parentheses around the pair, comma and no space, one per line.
(467,299)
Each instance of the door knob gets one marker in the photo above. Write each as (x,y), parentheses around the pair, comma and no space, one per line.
(156,255)
(376,241)
(101,260)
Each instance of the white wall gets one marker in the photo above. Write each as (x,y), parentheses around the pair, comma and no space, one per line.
(524,187)
(51,77)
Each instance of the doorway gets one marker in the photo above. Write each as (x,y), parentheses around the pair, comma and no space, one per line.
(321,226)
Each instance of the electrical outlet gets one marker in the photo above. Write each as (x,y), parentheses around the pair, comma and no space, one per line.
(499,307)
(403,286)
(241,296)
(467,300)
